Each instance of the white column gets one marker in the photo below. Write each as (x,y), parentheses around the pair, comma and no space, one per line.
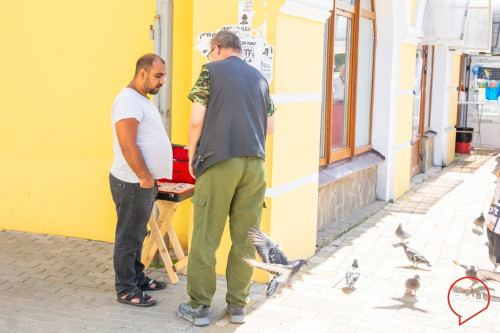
(440,102)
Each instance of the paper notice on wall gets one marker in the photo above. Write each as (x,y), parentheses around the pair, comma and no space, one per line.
(245,13)
(255,49)
(252,49)
(267,62)
(240,30)
(202,42)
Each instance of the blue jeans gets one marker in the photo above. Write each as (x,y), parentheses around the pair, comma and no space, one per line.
(133,208)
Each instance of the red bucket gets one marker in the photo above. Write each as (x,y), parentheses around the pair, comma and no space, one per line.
(462,147)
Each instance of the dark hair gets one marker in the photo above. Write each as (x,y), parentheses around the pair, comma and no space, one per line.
(146,62)
(227,39)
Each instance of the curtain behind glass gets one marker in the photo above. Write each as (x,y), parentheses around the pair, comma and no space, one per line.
(364,82)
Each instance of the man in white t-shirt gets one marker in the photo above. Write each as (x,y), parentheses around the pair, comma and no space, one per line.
(339,86)
(142,154)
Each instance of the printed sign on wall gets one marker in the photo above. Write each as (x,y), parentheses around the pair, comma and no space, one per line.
(255,49)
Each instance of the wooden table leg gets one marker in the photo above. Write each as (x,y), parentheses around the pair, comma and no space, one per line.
(158,228)
(149,249)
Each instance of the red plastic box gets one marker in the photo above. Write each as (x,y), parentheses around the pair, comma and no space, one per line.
(180,174)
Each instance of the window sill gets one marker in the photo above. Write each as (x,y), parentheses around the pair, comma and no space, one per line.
(343,168)
(429,134)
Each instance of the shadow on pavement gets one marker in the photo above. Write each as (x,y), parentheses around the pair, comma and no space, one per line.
(406,301)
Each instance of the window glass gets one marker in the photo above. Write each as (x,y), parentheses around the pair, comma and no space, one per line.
(324,89)
(417,85)
(366,4)
(364,82)
(352,2)
(428,87)
(340,84)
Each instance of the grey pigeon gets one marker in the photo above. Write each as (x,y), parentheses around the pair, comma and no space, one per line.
(414,257)
(273,260)
(412,285)
(482,274)
(470,271)
(352,274)
(401,233)
(479,221)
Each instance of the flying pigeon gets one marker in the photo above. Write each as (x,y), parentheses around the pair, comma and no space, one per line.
(412,285)
(479,221)
(482,274)
(401,233)
(470,271)
(352,274)
(273,260)
(414,257)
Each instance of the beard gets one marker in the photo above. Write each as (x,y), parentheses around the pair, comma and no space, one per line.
(150,88)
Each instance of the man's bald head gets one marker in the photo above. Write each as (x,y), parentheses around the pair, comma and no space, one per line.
(146,62)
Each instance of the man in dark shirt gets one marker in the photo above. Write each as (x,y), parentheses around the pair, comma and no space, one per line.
(231,115)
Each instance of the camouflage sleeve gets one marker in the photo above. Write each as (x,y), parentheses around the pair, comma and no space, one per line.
(270,105)
(201,89)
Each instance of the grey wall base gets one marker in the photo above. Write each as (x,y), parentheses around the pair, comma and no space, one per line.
(342,197)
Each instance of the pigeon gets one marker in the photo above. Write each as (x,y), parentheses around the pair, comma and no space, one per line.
(482,274)
(479,221)
(401,233)
(414,257)
(412,285)
(352,274)
(273,260)
(470,271)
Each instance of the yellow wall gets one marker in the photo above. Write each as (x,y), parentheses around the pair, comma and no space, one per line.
(413,8)
(402,162)
(404,119)
(452,110)
(407,58)
(182,80)
(182,72)
(455,70)
(64,63)
(450,152)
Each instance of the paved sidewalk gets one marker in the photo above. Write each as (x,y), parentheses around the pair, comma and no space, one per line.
(59,284)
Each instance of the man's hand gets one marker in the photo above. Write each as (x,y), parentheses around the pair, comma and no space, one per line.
(194,131)
(148,182)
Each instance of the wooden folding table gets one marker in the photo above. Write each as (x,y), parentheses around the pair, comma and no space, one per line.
(167,204)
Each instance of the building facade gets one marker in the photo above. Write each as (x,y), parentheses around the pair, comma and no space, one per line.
(339,143)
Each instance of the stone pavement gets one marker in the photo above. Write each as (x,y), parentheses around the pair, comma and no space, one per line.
(59,284)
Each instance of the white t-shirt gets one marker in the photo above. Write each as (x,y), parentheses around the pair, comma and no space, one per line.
(152,139)
(338,88)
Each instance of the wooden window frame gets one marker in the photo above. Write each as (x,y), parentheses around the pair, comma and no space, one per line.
(427,127)
(355,13)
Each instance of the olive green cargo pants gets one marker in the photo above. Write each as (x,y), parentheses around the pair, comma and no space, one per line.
(234,187)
